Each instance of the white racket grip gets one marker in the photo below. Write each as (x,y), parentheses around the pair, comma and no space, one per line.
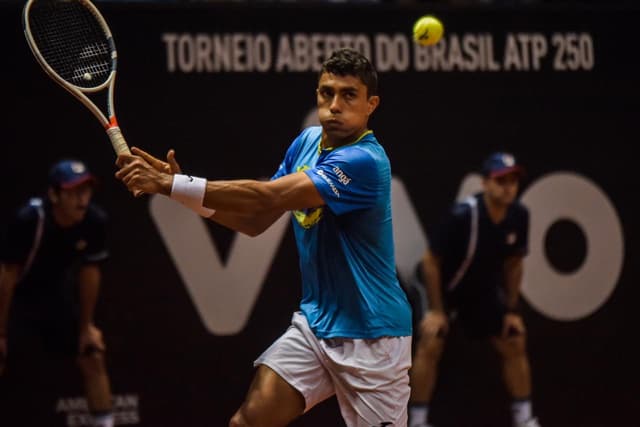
(117,140)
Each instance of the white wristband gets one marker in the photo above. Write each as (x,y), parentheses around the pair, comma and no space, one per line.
(190,191)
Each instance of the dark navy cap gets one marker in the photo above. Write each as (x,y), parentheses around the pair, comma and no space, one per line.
(499,164)
(70,173)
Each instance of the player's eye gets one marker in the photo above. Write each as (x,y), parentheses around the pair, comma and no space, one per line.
(350,96)
(506,180)
(325,92)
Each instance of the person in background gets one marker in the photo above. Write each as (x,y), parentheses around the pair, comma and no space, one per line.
(50,279)
(473,273)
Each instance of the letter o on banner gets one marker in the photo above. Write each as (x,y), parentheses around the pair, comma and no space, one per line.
(568,297)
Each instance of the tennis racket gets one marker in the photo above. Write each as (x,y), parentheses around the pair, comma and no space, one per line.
(73,44)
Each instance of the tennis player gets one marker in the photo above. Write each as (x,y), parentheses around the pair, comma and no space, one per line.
(352,335)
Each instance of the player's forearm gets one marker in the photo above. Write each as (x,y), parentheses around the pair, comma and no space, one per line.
(239,196)
(246,197)
(88,289)
(8,279)
(433,285)
(251,225)
(513,272)
(242,197)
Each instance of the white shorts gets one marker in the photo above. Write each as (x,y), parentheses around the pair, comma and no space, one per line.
(368,376)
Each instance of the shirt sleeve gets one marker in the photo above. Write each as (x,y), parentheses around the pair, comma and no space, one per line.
(349,179)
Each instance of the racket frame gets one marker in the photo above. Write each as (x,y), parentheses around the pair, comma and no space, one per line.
(109,123)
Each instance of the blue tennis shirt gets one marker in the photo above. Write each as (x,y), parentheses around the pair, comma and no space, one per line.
(349,283)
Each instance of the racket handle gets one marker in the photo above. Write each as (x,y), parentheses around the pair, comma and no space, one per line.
(117,140)
(120,146)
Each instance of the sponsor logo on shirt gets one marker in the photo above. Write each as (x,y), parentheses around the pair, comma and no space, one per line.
(511,238)
(342,177)
(328,181)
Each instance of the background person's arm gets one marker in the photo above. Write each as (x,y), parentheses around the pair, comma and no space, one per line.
(435,320)
(89,278)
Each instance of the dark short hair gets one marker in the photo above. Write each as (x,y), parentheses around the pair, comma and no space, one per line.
(350,62)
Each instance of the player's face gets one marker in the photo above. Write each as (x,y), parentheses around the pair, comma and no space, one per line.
(503,190)
(70,205)
(343,107)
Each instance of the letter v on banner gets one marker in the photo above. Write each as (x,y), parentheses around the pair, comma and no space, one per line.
(410,240)
(224,295)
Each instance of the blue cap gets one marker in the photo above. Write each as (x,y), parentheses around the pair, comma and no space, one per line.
(499,164)
(69,173)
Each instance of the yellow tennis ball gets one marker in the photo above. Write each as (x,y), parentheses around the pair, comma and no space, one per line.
(427,30)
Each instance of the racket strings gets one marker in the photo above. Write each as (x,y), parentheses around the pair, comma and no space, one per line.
(71,41)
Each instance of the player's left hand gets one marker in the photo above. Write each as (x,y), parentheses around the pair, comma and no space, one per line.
(512,325)
(90,340)
(141,177)
(171,166)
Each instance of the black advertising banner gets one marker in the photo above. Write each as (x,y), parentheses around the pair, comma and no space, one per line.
(187,306)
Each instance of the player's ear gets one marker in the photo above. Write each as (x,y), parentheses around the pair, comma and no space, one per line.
(373,103)
(53,195)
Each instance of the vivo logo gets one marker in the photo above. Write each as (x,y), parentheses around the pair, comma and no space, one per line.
(224,294)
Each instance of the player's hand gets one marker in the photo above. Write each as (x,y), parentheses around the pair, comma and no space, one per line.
(90,340)
(141,177)
(3,354)
(512,325)
(434,324)
(171,166)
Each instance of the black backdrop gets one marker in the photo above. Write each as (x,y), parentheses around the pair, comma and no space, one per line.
(167,368)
